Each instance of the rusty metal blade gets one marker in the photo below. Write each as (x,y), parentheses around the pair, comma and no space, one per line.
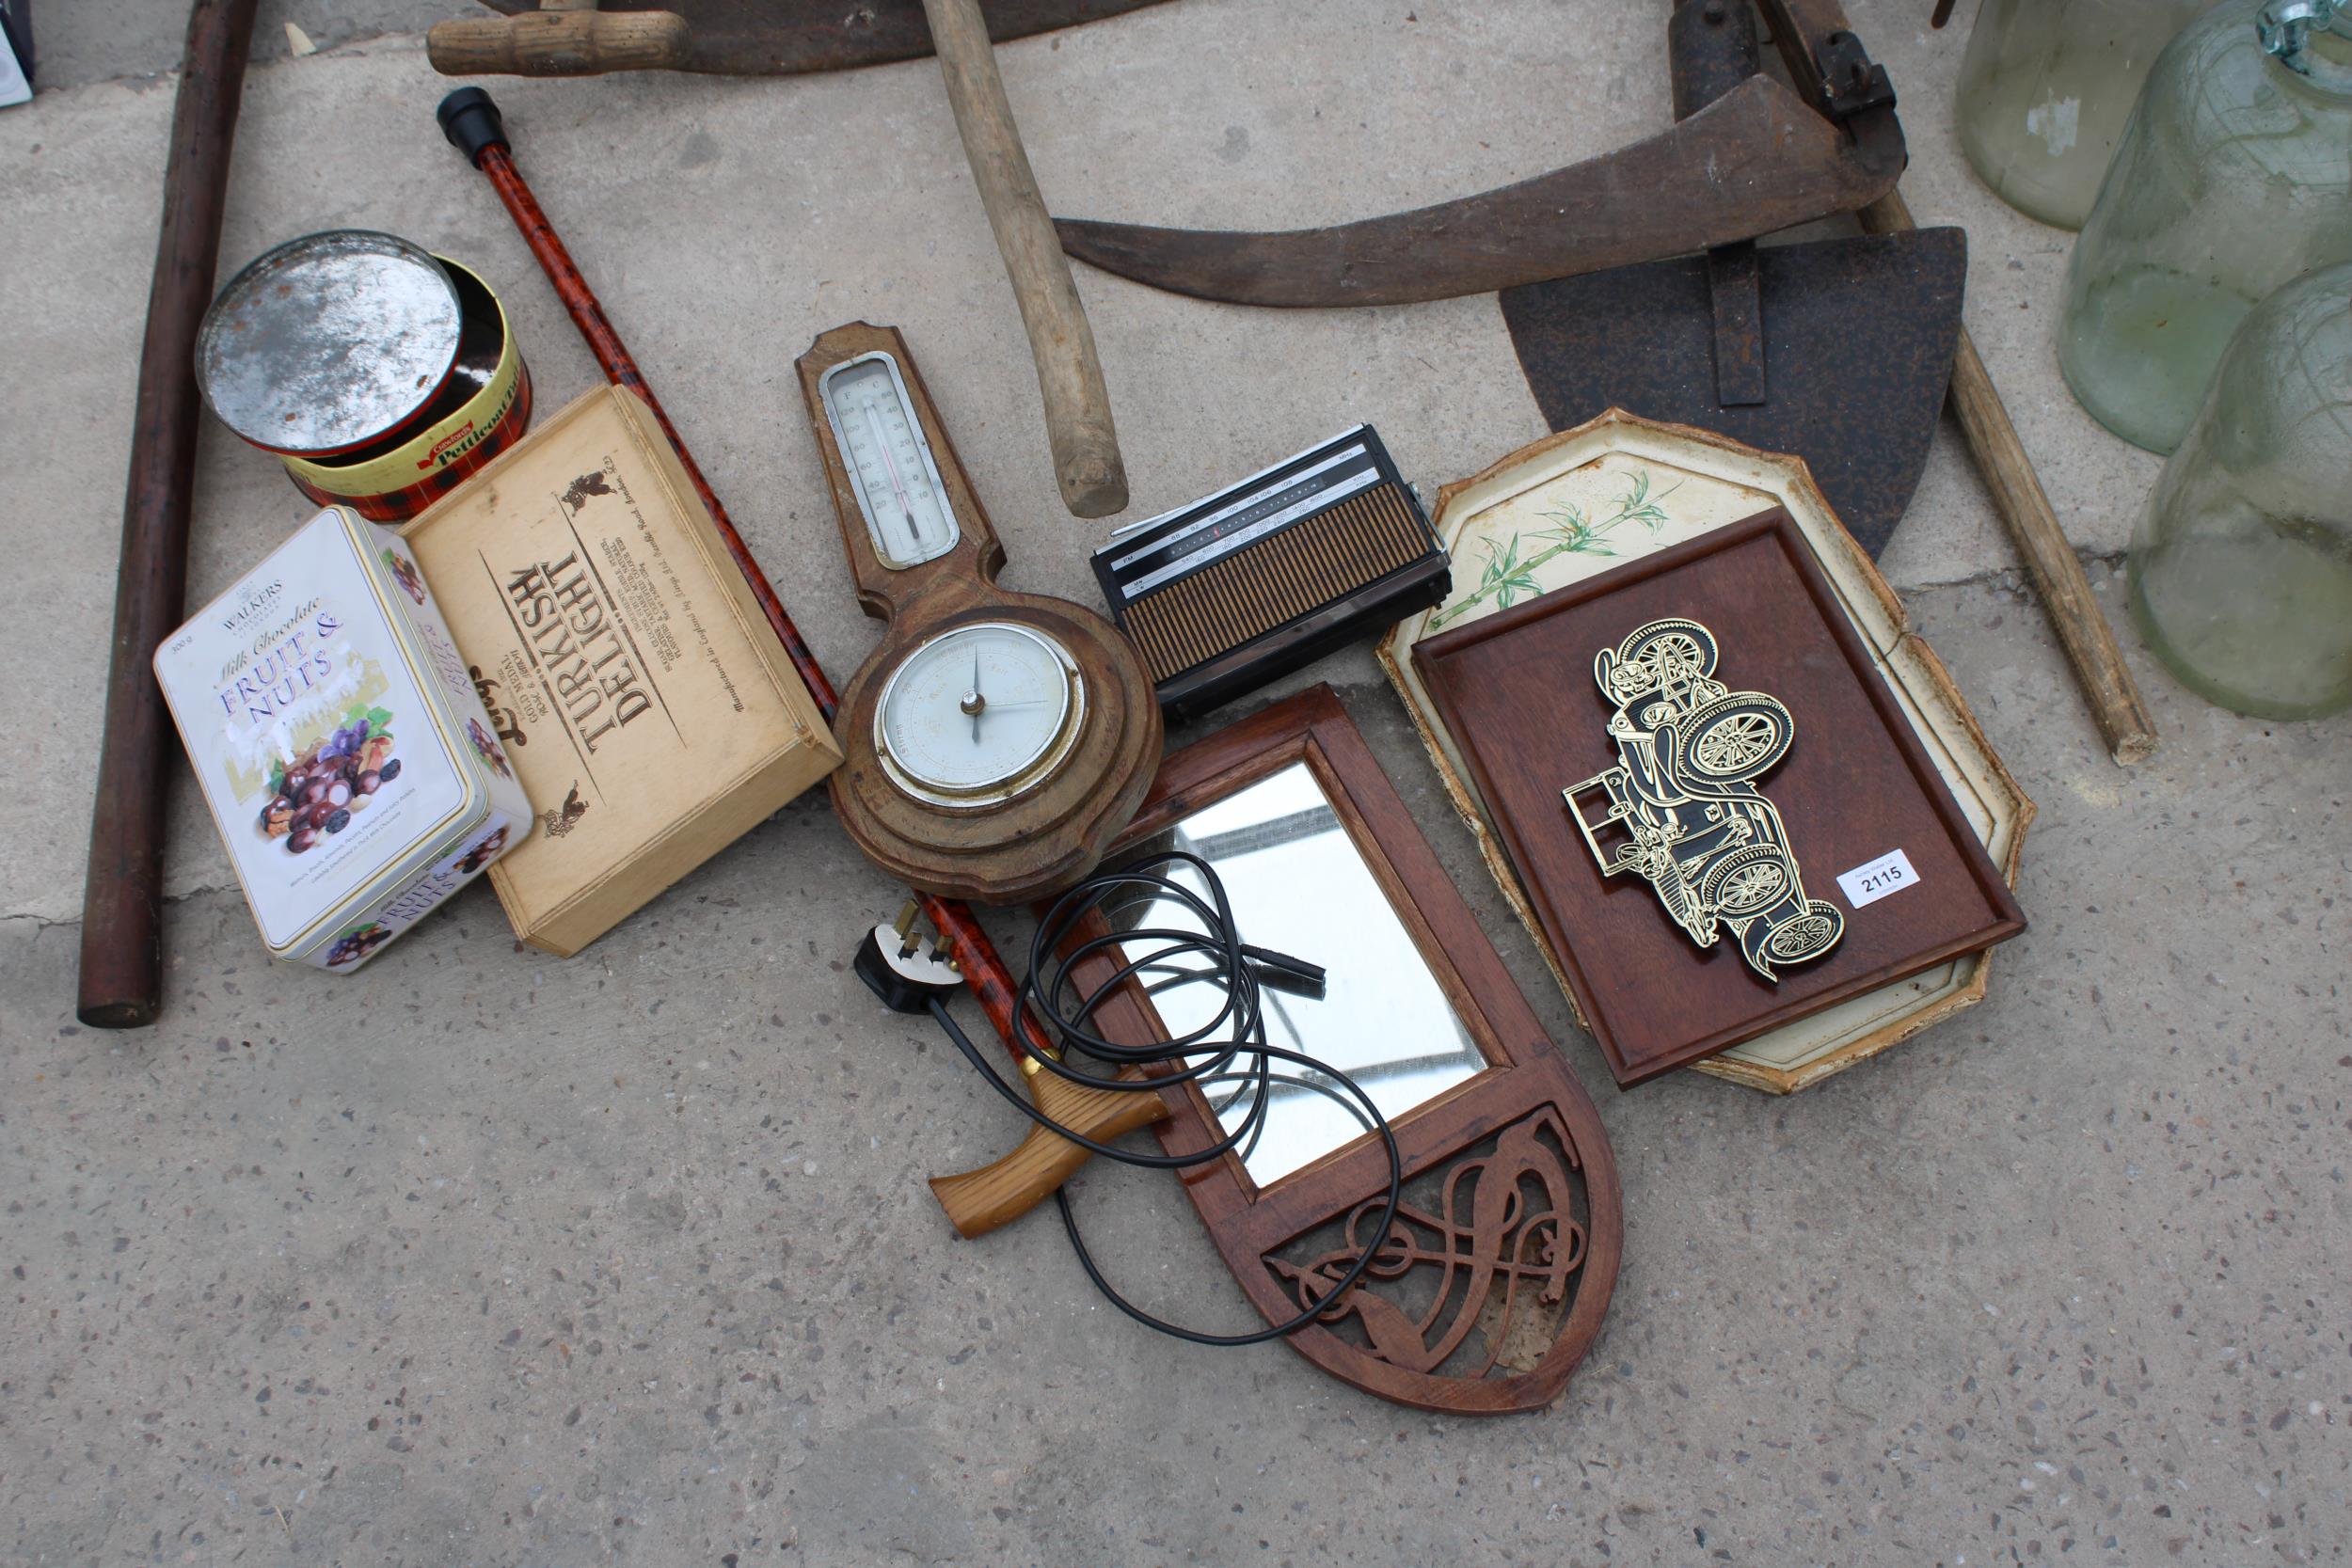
(788,37)
(1857,348)
(1756,160)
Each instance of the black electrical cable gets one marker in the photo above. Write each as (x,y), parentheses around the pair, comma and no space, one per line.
(1207,1054)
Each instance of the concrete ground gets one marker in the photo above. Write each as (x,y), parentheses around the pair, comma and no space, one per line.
(484,1257)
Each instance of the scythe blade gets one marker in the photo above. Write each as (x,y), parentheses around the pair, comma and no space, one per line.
(1756,160)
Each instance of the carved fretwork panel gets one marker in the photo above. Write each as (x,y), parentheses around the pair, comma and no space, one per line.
(1476,1271)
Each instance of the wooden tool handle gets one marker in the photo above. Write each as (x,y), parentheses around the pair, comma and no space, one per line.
(121,976)
(560,43)
(1086,462)
(979,1200)
(2050,558)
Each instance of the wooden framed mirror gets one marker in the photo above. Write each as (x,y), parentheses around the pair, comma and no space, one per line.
(1493,1282)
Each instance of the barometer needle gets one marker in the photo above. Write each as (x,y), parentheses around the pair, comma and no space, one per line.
(976,703)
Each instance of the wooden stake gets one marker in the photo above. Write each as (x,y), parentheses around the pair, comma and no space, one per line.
(121,977)
(2049,557)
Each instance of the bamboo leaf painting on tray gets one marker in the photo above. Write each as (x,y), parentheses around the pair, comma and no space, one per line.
(1509,574)
(1582,521)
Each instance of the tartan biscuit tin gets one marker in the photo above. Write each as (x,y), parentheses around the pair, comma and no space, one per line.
(379,374)
(482,409)
(340,744)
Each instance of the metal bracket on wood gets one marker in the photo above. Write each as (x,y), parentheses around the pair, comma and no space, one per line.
(1851,81)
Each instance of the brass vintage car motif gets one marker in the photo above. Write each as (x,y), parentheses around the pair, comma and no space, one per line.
(1689,752)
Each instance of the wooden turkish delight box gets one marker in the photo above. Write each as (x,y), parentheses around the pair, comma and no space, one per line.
(647,704)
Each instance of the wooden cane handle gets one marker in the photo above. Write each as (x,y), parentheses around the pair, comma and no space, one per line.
(1087,464)
(2050,558)
(978,1201)
(120,982)
(559,44)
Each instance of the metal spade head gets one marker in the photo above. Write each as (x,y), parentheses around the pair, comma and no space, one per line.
(1857,338)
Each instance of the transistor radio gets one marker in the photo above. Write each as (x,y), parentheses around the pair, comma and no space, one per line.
(1225,594)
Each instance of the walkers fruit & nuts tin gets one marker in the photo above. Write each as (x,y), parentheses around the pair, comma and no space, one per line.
(339,743)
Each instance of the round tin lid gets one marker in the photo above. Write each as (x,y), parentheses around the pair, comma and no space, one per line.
(329,340)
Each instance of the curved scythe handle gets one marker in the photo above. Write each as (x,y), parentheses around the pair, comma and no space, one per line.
(977,1201)
(560,43)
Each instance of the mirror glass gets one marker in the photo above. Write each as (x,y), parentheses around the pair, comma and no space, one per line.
(1298,886)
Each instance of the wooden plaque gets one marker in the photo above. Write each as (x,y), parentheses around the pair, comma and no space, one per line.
(1568,507)
(1494,1281)
(1515,692)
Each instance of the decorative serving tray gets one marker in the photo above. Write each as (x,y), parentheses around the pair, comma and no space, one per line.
(1585,501)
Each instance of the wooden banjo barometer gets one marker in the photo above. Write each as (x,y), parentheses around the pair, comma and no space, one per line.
(995,741)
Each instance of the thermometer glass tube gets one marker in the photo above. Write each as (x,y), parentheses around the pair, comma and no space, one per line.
(890,464)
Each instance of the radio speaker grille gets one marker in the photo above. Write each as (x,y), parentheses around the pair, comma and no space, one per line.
(1277,579)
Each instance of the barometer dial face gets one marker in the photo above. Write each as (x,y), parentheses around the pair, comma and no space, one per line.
(979,714)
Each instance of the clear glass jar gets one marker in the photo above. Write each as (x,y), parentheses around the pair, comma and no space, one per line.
(2046,88)
(2234,175)
(2241,570)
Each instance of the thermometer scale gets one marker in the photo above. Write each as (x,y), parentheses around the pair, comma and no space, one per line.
(890,465)
(995,741)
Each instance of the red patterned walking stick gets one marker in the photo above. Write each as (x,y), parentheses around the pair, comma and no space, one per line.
(472,123)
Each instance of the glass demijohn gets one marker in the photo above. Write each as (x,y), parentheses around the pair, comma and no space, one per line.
(2046,88)
(2234,175)
(2241,571)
